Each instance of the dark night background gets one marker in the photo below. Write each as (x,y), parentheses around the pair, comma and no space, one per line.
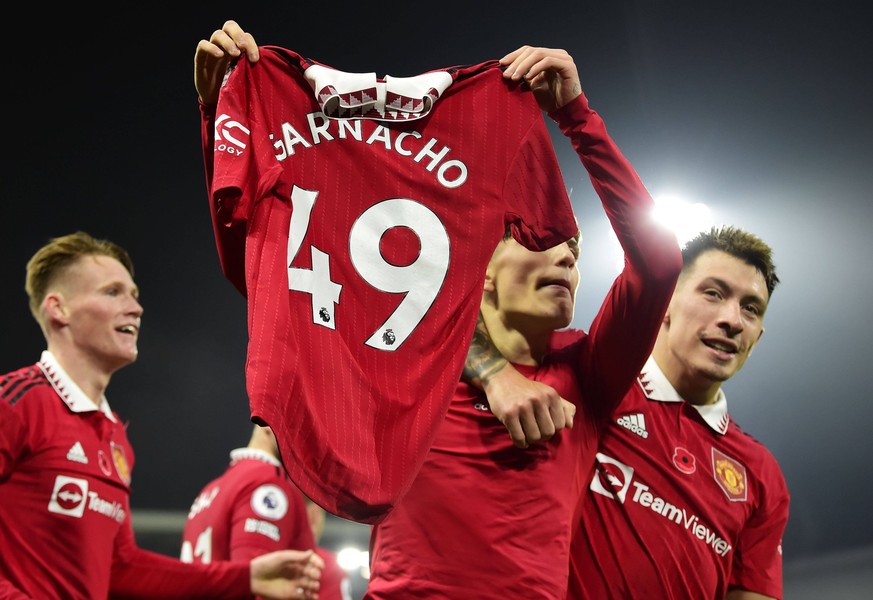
(761,110)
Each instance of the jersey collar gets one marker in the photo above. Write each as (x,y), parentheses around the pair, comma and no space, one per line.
(72,395)
(363,95)
(657,387)
(253,454)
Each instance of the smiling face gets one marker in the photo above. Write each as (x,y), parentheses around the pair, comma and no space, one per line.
(533,289)
(95,308)
(714,320)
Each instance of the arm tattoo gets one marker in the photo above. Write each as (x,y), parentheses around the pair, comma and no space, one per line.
(483,358)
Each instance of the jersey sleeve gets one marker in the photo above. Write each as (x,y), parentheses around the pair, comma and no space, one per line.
(539,210)
(12,438)
(757,559)
(624,330)
(230,237)
(138,573)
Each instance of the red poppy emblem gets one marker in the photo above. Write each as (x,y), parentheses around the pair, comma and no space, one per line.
(105,464)
(684,461)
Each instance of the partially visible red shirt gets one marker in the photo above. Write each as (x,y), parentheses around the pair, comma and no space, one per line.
(250,509)
(334,582)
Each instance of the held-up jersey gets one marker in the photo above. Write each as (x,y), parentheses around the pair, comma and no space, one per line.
(485,519)
(358,214)
(684,504)
(65,526)
(250,509)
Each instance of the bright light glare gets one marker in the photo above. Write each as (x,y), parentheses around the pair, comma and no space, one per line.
(352,559)
(684,218)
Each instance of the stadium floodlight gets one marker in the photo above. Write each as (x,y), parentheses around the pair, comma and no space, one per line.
(686,219)
(352,559)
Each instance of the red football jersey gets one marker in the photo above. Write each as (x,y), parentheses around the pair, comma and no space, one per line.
(684,504)
(65,526)
(334,583)
(250,509)
(485,519)
(370,208)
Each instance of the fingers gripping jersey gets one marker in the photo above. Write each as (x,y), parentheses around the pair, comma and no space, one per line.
(370,210)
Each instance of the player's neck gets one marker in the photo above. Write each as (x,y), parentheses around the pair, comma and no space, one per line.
(521,349)
(92,380)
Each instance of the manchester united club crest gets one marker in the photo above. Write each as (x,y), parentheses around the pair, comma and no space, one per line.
(730,476)
(121,466)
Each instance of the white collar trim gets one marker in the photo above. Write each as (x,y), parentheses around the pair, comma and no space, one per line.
(658,388)
(343,95)
(253,454)
(72,395)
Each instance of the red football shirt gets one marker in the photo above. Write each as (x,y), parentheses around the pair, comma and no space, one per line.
(250,509)
(334,583)
(366,237)
(485,519)
(684,504)
(65,525)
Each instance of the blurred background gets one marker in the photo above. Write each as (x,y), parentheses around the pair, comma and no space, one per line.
(755,114)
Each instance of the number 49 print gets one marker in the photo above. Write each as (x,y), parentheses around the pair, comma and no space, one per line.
(420,281)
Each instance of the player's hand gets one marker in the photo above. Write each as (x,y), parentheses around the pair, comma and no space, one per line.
(212,57)
(286,574)
(531,411)
(550,73)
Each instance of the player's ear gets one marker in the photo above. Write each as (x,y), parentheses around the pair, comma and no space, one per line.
(490,268)
(55,307)
(488,284)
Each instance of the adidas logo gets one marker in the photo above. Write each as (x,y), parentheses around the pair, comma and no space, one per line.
(77,454)
(635,423)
